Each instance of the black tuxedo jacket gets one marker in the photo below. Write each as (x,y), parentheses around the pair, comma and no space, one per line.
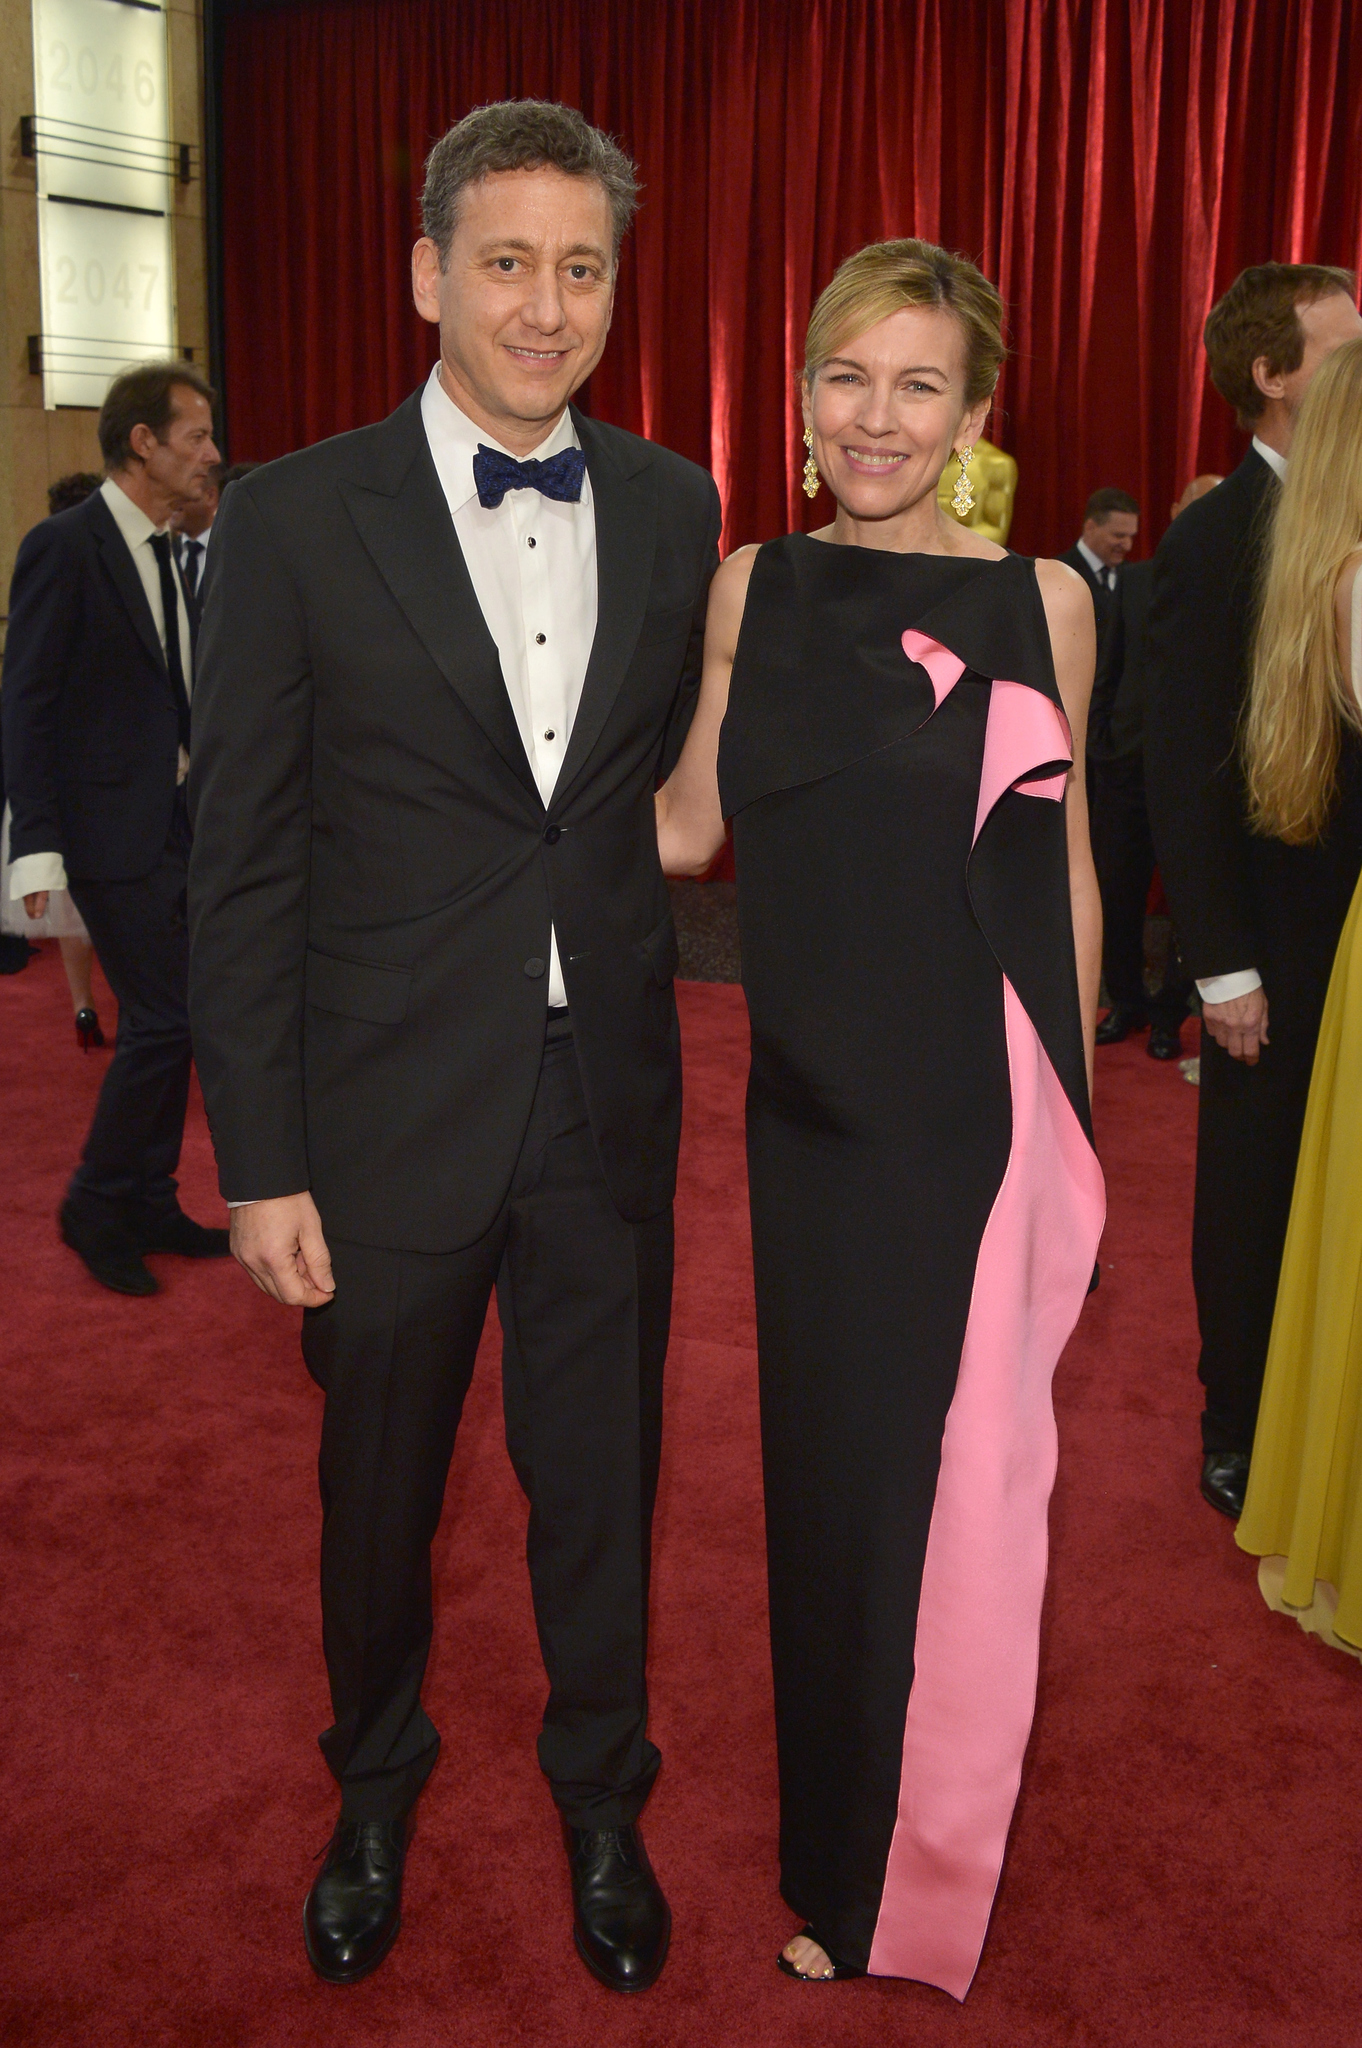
(375,873)
(1102,598)
(1238,900)
(92,735)
(1116,721)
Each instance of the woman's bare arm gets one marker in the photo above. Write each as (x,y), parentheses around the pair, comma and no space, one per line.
(690,824)
(1073,641)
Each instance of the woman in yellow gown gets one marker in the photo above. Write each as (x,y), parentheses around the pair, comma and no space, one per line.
(1303,1511)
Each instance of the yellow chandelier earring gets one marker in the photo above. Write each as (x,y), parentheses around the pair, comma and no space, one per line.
(811,476)
(962,498)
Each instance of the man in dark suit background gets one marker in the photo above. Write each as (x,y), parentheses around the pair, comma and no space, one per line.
(96,702)
(1110,525)
(193,526)
(1257,921)
(1121,842)
(443,662)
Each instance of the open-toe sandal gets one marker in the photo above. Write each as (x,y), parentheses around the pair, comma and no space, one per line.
(840,1971)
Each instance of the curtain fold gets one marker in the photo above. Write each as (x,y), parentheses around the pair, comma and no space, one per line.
(1112,163)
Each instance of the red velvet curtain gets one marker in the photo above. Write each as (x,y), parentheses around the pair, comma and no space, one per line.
(1111,163)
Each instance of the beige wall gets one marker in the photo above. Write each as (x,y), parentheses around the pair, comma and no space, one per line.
(38,446)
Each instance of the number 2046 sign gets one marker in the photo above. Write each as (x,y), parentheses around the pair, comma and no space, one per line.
(108,294)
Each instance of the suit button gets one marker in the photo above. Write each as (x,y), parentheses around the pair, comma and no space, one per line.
(552,834)
(534,968)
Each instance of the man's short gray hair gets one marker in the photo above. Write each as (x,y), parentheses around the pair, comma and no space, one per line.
(523,135)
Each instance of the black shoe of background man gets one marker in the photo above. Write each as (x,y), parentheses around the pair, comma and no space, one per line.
(176,1232)
(353,1912)
(15,953)
(1121,1019)
(109,1248)
(1224,1478)
(622,1925)
(1165,1042)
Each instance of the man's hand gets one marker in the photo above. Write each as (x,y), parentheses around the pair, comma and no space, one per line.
(36,904)
(280,1244)
(1240,1026)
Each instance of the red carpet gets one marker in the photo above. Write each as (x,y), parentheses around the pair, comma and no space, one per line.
(1185,1866)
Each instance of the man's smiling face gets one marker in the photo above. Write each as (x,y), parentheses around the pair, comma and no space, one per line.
(524,300)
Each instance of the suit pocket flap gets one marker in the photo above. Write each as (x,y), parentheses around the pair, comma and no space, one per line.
(357,988)
(663,955)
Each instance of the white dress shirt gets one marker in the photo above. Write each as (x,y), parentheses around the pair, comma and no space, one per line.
(1103,571)
(1223,988)
(532,561)
(37,871)
(1271,457)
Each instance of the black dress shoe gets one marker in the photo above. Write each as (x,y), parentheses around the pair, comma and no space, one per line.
(109,1250)
(1224,1477)
(621,1923)
(1165,1042)
(1121,1019)
(180,1233)
(354,1910)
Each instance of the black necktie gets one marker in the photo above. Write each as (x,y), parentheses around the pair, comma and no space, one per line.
(191,565)
(170,608)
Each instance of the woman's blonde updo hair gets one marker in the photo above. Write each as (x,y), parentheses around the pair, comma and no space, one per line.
(883,278)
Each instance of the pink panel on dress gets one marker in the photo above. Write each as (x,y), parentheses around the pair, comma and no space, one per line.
(944,669)
(1025,731)
(978,1631)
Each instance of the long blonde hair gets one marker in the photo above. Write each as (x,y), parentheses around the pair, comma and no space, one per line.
(1299,693)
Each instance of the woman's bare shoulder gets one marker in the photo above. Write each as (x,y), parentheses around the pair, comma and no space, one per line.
(1065,593)
(735,569)
(728,596)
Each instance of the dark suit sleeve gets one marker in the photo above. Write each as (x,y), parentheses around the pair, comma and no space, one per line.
(1111,654)
(250,787)
(1193,686)
(688,693)
(43,619)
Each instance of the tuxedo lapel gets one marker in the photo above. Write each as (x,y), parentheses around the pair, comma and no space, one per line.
(117,559)
(626,535)
(403,519)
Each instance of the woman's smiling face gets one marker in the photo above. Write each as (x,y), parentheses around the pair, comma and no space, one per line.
(887,408)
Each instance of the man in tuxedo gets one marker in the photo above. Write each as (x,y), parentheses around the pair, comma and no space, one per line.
(1121,842)
(96,699)
(445,659)
(1110,525)
(1257,921)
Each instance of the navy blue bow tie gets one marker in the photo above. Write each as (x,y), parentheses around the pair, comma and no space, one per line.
(560,477)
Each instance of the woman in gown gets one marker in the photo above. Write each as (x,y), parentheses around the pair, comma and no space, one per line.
(893,706)
(60,920)
(1303,755)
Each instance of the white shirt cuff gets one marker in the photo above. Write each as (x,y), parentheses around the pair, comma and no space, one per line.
(250,1204)
(1223,988)
(34,872)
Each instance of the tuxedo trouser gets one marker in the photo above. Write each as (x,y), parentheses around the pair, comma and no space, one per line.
(585,1305)
(1123,853)
(140,936)
(1248,1140)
